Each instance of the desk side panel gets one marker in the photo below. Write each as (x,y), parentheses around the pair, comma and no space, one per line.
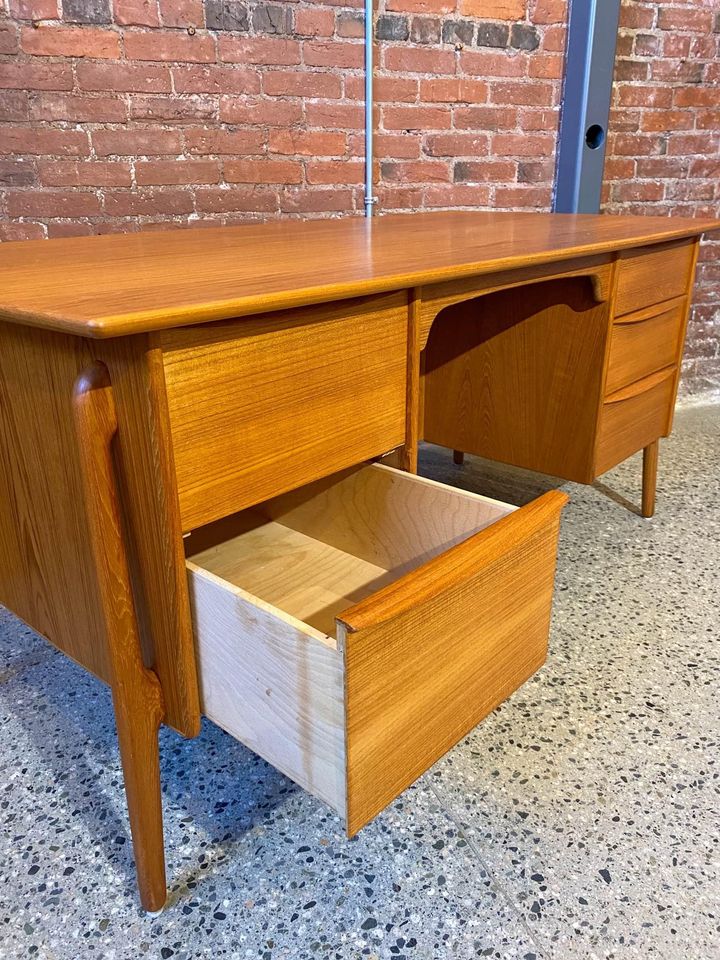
(47,576)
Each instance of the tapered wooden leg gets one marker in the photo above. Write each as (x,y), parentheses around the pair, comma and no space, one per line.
(649,478)
(136,692)
(458,457)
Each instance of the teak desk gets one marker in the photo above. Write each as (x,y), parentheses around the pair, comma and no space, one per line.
(188,506)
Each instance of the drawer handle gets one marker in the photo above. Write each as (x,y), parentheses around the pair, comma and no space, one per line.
(641,386)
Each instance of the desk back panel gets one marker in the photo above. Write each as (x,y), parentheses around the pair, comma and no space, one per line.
(514,376)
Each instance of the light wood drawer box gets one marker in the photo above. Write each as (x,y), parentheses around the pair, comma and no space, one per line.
(652,275)
(264,404)
(353,631)
(634,417)
(644,342)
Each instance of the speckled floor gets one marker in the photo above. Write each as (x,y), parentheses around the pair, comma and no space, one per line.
(579,821)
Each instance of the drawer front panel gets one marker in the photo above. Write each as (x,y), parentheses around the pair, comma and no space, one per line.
(265,404)
(633,418)
(651,275)
(353,631)
(642,344)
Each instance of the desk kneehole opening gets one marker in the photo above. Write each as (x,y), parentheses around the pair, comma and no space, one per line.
(352,631)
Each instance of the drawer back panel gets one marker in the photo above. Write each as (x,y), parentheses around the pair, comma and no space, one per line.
(265,404)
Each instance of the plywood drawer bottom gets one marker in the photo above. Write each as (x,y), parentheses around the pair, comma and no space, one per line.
(353,631)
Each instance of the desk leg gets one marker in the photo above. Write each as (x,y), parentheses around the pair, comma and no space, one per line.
(458,457)
(136,692)
(649,478)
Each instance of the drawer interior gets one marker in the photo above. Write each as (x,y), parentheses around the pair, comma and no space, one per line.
(351,632)
(314,552)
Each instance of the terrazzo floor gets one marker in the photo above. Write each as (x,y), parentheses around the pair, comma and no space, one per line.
(580,820)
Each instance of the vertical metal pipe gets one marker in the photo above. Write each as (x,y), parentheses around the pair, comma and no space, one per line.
(369,31)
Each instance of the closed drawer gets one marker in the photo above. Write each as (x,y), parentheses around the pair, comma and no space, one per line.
(260,405)
(644,342)
(634,417)
(353,631)
(653,274)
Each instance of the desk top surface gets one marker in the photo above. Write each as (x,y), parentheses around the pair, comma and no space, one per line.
(121,284)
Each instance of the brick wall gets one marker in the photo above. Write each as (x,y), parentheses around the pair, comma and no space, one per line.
(136,114)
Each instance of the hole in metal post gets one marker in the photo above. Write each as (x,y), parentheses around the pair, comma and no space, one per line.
(594,136)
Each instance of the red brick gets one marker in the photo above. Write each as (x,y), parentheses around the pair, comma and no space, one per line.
(22,231)
(661,121)
(34,9)
(8,38)
(215,79)
(420,6)
(169,172)
(522,94)
(263,171)
(457,144)
(523,145)
(300,83)
(353,85)
(148,203)
(14,105)
(182,13)
(677,71)
(685,18)
(485,63)
(416,118)
(213,140)
(136,143)
(170,45)
(403,59)
(403,146)
(494,9)
(696,97)
(58,41)
(316,201)
(270,112)
(705,167)
(268,51)
(697,144)
(307,143)
(708,119)
(553,40)
(36,75)
(642,96)
(676,45)
(311,22)
(453,90)
(142,13)
(550,11)
(637,16)
(18,173)
(485,171)
(402,197)
(84,173)
(236,199)
(535,171)
(391,89)
(635,145)
(631,70)
(70,228)
(45,142)
(542,119)
(334,171)
(638,190)
(416,171)
(173,109)
(46,204)
(456,195)
(333,53)
(350,24)
(688,190)
(546,66)
(485,118)
(658,167)
(124,77)
(509,198)
(63,106)
(334,114)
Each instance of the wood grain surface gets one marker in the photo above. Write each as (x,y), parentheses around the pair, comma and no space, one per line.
(112,285)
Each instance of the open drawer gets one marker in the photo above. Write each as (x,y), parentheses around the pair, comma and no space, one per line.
(352,631)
